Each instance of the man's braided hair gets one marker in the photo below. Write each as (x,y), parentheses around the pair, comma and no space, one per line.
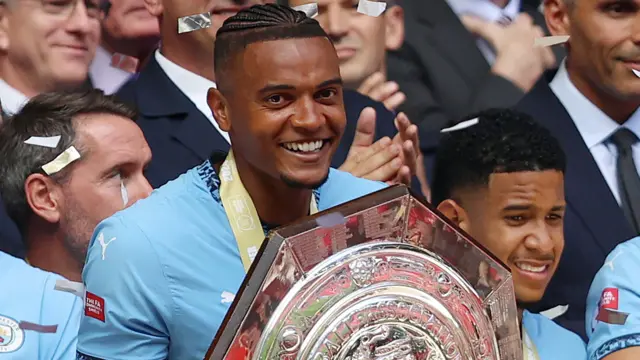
(259,23)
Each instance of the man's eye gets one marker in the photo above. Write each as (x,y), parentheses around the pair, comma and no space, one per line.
(327,93)
(275,99)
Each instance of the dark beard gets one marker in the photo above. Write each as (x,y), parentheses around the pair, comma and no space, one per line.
(298,185)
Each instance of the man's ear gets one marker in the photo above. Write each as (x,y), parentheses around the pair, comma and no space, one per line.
(219,108)
(155,7)
(394,28)
(4,26)
(456,213)
(556,15)
(43,197)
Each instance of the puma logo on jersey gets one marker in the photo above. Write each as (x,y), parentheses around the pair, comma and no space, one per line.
(104,245)
(227,297)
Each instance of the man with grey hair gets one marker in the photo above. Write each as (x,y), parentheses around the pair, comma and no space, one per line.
(45,45)
(69,160)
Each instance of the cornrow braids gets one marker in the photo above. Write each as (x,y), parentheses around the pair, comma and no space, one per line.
(259,23)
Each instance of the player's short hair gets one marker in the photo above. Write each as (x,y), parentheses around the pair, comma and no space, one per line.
(47,114)
(502,141)
(259,23)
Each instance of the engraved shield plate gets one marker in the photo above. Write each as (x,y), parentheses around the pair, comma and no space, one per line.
(384,277)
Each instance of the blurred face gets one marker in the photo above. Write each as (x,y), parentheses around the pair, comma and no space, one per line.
(220,10)
(284,110)
(604,46)
(130,19)
(116,154)
(519,218)
(360,40)
(50,42)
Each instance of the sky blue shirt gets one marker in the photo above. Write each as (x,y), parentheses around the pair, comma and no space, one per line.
(28,300)
(170,268)
(552,341)
(614,296)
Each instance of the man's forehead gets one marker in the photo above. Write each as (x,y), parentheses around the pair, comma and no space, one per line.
(280,56)
(526,185)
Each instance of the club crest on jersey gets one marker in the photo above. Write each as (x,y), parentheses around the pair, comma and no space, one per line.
(11,336)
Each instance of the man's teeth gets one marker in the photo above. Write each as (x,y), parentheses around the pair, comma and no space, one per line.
(531,268)
(304,146)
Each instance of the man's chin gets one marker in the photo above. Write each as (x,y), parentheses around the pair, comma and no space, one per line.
(304,184)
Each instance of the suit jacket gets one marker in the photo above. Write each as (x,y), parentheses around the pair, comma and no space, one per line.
(594,222)
(10,238)
(181,137)
(442,71)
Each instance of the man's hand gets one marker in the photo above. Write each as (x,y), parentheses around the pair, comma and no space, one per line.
(379,161)
(517,59)
(393,161)
(378,88)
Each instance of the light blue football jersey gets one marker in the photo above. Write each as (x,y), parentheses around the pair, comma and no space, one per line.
(552,341)
(613,303)
(161,274)
(37,322)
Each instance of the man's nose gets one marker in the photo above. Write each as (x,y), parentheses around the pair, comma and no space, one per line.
(141,189)
(308,116)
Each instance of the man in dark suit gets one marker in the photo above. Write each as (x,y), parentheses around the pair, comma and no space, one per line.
(170,93)
(457,59)
(591,106)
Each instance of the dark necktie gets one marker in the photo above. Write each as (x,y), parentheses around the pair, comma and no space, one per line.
(628,178)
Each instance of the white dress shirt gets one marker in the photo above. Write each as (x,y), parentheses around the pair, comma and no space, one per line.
(193,86)
(487,11)
(12,99)
(595,127)
(104,76)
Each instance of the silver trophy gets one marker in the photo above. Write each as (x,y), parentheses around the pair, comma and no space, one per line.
(383,277)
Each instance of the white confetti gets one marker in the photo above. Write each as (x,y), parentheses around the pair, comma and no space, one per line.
(194,22)
(310,9)
(550,40)
(371,8)
(76,288)
(636,72)
(46,141)
(463,125)
(61,161)
(124,193)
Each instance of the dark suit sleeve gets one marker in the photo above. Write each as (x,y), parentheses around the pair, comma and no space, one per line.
(422,105)
(10,237)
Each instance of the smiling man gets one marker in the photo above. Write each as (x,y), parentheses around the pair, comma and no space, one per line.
(45,45)
(164,284)
(502,181)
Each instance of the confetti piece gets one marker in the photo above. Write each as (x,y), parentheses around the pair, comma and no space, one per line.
(460,126)
(194,22)
(61,161)
(45,329)
(550,40)
(636,72)
(612,317)
(48,141)
(371,8)
(331,220)
(124,193)
(311,9)
(76,288)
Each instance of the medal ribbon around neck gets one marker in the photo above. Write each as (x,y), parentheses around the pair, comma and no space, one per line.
(528,347)
(241,212)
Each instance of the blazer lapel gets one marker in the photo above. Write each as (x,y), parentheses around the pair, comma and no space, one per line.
(159,97)
(587,192)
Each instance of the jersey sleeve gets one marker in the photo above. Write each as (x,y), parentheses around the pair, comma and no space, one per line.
(128,305)
(64,310)
(613,304)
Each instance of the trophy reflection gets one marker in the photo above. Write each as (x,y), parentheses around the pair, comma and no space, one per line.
(383,277)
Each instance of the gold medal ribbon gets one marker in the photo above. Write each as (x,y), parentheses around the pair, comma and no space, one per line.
(242,214)
(528,347)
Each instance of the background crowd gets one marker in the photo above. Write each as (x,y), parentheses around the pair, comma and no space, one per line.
(418,68)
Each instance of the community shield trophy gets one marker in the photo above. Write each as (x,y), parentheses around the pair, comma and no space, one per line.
(383,277)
